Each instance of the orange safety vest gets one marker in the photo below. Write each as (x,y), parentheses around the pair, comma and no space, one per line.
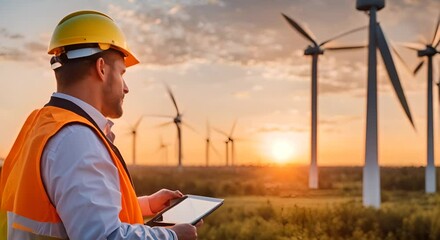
(22,193)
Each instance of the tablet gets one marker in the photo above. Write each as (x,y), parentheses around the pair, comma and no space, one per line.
(188,209)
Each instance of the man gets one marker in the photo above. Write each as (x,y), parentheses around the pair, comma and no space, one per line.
(64,178)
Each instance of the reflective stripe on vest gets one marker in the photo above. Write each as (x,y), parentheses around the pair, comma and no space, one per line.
(22,190)
(25,228)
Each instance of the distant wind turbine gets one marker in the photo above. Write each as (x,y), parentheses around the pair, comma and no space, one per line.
(163,149)
(315,50)
(208,144)
(428,51)
(229,139)
(177,120)
(134,136)
(371,174)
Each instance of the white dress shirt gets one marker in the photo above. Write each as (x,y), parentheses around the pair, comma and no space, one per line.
(83,183)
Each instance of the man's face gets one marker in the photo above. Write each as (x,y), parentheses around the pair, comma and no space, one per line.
(114,88)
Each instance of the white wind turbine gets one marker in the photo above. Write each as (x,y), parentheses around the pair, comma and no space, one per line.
(371,174)
(428,50)
(315,50)
(163,150)
(229,139)
(208,144)
(177,120)
(134,136)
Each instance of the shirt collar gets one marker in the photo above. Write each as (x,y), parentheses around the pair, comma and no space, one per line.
(103,123)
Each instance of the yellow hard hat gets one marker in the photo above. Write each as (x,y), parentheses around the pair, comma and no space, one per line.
(85,27)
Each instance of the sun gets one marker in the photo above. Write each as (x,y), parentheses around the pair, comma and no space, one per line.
(282,150)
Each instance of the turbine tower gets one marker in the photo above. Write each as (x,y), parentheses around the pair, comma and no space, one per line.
(429,51)
(371,174)
(177,120)
(134,136)
(163,149)
(315,50)
(229,139)
(208,143)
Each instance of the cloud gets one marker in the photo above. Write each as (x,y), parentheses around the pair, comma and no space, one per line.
(12,54)
(241,95)
(172,34)
(4,33)
(36,47)
(167,33)
(237,32)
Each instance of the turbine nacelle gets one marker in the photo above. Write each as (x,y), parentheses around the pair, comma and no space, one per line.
(365,5)
(313,50)
(429,51)
(178,119)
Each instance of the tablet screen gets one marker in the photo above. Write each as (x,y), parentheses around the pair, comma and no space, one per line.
(190,210)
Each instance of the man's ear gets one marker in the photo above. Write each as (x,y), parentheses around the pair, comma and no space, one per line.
(100,68)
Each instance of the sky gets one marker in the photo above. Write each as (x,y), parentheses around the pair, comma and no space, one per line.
(235,60)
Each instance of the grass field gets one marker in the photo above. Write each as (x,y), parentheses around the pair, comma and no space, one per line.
(274,203)
(317,201)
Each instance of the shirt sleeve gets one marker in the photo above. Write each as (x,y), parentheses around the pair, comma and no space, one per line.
(83,184)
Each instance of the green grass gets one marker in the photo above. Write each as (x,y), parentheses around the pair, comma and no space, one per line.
(274,203)
(317,201)
(324,217)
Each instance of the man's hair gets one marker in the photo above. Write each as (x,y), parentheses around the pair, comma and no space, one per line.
(74,70)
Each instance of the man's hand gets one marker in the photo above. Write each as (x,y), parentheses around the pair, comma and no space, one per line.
(185,231)
(161,199)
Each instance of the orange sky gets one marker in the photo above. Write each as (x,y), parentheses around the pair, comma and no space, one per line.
(228,60)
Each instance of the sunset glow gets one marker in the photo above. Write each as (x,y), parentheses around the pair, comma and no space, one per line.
(282,150)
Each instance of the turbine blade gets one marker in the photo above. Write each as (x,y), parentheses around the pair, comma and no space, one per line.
(233,128)
(392,72)
(190,127)
(163,124)
(136,125)
(343,34)
(156,152)
(208,130)
(242,140)
(436,38)
(214,149)
(346,47)
(221,132)
(159,115)
(301,30)
(401,59)
(413,46)
(170,93)
(419,66)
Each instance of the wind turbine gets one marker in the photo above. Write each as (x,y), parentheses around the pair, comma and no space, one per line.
(315,50)
(163,148)
(177,120)
(134,136)
(371,175)
(208,144)
(428,51)
(229,139)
